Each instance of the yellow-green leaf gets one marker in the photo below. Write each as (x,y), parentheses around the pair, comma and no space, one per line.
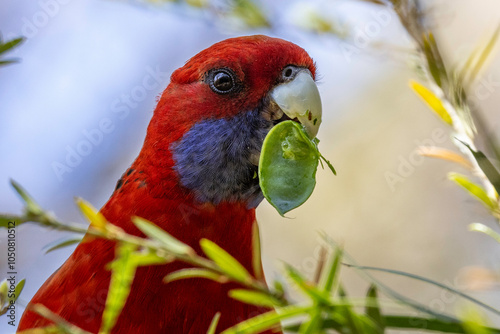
(432,101)
(331,277)
(62,244)
(473,321)
(194,273)
(268,320)
(6,220)
(31,206)
(479,58)
(18,289)
(156,233)
(147,258)
(96,219)
(475,190)
(123,271)
(214,323)
(254,298)
(4,47)
(228,264)
(51,329)
(309,289)
(478,227)
(372,307)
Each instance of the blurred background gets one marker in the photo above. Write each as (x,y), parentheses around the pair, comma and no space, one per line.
(98,66)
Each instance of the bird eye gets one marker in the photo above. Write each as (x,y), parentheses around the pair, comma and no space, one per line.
(289,72)
(222,81)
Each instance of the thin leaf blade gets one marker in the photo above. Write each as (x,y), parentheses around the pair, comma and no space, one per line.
(62,244)
(254,298)
(473,189)
(194,273)
(432,101)
(227,263)
(156,233)
(214,323)
(122,275)
(267,320)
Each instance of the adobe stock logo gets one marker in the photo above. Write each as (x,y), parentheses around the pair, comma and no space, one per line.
(41,18)
(363,36)
(121,108)
(407,165)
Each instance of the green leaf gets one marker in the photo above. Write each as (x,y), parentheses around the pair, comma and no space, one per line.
(478,227)
(332,275)
(17,291)
(278,287)
(123,271)
(6,219)
(486,166)
(345,309)
(96,218)
(434,60)
(31,206)
(477,60)
(147,258)
(60,325)
(441,316)
(310,290)
(473,321)
(156,233)
(427,324)
(214,323)
(287,166)
(4,290)
(314,324)
(4,47)
(328,163)
(228,264)
(59,244)
(268,320)
(405,322)
(254,298)
(194,273)
(372,308)
(426,280)
(8,61)
(473,189)
(51,329)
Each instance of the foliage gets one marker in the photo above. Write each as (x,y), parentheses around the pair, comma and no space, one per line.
(327,308)
(9,294)
(447,97)
(6,46)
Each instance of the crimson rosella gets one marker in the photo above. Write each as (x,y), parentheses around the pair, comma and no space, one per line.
(195,177)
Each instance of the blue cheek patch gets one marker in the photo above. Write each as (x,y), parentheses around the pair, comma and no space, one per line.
(213,158)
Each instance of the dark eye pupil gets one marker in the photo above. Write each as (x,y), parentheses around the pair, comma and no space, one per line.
(288,72)
(223,81)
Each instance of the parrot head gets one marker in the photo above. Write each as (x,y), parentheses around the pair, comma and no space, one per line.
(211,120)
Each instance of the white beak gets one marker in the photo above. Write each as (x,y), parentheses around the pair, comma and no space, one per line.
(299,98)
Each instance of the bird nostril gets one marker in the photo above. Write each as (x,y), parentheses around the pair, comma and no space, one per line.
(288,72)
